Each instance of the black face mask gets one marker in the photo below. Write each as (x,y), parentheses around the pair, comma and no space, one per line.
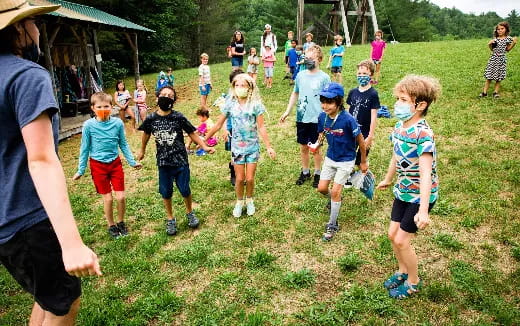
(165,103)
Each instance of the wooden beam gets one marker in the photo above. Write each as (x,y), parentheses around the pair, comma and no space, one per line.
(373,14)
(53,35)
(48,59)
(342,7)
(299,20)
(86,64)
(135,49)
(131,42)
(96,52)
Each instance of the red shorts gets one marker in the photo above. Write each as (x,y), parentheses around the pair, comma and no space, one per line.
(107,176)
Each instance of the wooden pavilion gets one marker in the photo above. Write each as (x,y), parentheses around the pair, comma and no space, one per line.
(68,40)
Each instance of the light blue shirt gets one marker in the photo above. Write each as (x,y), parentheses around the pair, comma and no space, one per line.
(337,61)
(309,85)
(101,141)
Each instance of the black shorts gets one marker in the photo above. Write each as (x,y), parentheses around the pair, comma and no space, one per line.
(404,213)
(358,156)
(335,70)
(33,258)
(286,59)
(306,133)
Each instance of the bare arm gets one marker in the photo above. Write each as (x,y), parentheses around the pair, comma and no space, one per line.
(197,140)
(49,180)
(422,218)
(373,125)
(144,141)
(363,150)
(390,173)
(512,45)
(217,126)
(292,101)
(263,133)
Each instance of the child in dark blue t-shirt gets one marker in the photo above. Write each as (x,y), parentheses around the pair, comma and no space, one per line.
(343,136)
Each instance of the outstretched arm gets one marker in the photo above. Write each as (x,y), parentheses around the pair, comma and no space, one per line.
(363,150)
(422,218)
(512,44)
(144,141)
(49,180)
(263,133)
(292,101)
(217,126)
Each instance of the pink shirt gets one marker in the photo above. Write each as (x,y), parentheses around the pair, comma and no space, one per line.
(377,49)
(268,55)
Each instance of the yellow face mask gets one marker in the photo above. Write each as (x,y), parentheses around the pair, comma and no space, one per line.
(103,114)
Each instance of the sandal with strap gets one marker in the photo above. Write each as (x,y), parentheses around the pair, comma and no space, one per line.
(395,280)
(482,94)
(496,95)
(404,290)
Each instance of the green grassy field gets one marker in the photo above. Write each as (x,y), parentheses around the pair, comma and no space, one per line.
(272,268)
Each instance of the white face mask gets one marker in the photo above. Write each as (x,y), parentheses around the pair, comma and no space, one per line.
(241,91)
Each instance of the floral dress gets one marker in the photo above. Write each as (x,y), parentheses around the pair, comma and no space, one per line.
(496,67)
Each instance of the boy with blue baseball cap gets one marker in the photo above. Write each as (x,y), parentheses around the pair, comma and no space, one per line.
(343,137)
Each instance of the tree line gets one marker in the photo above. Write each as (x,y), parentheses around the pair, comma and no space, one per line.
(186,28)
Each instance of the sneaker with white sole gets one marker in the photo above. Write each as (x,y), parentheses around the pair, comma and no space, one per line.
(237,211)
(250,208)
(171,227)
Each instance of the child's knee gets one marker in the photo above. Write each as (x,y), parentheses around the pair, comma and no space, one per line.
(120,195)
(400,242)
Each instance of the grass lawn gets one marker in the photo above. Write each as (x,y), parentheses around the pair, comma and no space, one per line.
(273,268)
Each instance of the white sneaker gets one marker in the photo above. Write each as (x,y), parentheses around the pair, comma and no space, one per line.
(237,211)
(250,206)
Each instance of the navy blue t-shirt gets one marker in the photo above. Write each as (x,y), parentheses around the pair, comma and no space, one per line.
(25,92)
(361,106)
(341,135)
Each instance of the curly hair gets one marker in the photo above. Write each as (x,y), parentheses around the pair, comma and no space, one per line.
(420,88)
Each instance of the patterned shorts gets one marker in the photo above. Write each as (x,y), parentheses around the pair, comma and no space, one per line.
(245,158)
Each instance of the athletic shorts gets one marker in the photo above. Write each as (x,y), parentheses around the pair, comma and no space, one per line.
(335,70)
(207,91)
(169,174)
(245,158)
(306,133)
(269,71)
(404,213)
(339,171)
(33,258)
(237,62)
(107,176)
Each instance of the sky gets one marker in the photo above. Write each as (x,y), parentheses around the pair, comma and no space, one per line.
(501,7)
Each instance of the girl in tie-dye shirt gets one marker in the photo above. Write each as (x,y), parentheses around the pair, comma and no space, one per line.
(246,112)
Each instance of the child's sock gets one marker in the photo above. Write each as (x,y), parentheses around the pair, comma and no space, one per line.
(317,172)
(334,212)
(306,171)
(249,200)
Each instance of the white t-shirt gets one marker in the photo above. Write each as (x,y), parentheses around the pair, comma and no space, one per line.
(205,73)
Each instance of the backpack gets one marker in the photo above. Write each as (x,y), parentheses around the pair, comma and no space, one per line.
(228,51)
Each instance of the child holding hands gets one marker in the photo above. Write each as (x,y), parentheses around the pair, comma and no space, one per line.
(416,189)
(101,139)
(245,110)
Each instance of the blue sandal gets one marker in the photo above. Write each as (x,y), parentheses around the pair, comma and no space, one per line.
(404,290)
(395,280)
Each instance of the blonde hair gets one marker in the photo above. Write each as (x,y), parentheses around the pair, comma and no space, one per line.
(309,34)
(100,97)
(420,88)
(317,49)
(253,96)
(338,37)
(204,55)
(140,81)
(369,64)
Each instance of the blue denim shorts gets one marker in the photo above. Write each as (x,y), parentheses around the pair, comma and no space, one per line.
(245,158)
(169,174)
(237,62)
(207,91)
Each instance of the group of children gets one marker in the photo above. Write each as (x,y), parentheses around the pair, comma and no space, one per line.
(320,115)
(122,101)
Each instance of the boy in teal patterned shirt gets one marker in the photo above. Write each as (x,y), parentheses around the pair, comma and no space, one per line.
(416,189)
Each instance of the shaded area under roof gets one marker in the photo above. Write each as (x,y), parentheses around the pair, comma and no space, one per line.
(85,13)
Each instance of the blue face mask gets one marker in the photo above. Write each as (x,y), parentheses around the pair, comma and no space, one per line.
(363,80)
(403,111)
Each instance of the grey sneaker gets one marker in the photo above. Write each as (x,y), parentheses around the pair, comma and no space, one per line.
(193,221)
(237,211)
(171,227)
(250,208)
(330,231)
(114,232)
(122,228)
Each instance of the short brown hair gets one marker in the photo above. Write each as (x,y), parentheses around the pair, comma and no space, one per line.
(309,34)
(420,88)
(100,97)
(369,64)
(338,37)
(379,32)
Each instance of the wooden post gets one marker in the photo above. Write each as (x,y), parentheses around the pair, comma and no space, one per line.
(48,59)
(96,52)
(299,20)
(86,64)
(133,45)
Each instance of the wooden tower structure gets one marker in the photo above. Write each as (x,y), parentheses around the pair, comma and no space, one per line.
(362,9)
